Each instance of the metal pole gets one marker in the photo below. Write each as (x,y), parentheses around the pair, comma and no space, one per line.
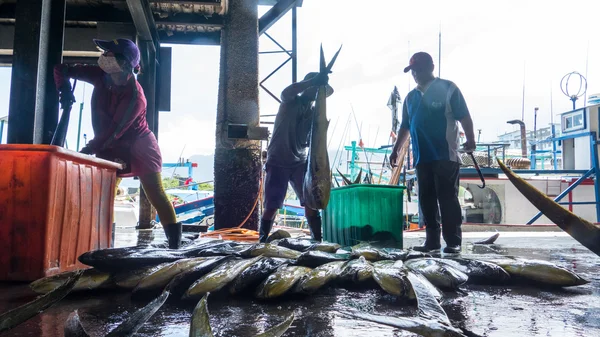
(554,148)
(595,167)
(79,125)
(352,165)
(587,56)
(440,52)
(569,189)
(1,130)
(523,99)
(54,45)
(408,77)
(34,47)
(294,46)
(535,110)
(534,145)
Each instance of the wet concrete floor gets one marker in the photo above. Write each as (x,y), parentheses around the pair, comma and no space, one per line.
(483,310)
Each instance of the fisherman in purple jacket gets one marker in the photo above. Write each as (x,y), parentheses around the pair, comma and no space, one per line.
(121,133)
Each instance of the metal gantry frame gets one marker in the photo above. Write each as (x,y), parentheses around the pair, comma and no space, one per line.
(593,172)
(292,54)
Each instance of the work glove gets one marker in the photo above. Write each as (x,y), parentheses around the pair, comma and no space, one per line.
(86,150)
(66,99)
(469,146)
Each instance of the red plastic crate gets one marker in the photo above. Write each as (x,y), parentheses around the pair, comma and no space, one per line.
(55,204)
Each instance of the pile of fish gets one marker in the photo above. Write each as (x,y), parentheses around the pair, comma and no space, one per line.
(286,267)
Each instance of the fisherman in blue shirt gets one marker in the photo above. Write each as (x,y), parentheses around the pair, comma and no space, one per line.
(430,114)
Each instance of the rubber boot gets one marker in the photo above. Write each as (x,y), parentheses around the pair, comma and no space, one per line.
(264,230)
(314,223)
(432,240)
(173,233)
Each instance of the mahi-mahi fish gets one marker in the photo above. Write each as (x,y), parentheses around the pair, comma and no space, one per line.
(90,279)
(74,328)
(431,320)
(200,326)
(16,316)
(580,229)
(317,180)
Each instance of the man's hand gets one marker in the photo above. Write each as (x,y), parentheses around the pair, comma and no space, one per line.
(393,158)
(469,146)
(66,98)
(86,150)
(319,80)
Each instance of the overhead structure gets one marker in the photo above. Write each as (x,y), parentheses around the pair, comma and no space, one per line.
(35,35)
(279,10)
(164,22)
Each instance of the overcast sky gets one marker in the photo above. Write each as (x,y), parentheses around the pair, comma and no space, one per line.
(487,49)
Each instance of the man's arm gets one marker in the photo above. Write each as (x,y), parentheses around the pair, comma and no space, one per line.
(467,125)
(126,113)
(288,94)
(461,113)
(403,134)
(64,72)
(87,73)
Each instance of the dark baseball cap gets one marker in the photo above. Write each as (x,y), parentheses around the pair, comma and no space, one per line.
(328,91)
(419,60)
(124,47)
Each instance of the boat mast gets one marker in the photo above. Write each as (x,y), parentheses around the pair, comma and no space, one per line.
(523,99)
(440,52)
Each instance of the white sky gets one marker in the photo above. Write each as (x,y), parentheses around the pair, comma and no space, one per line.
(485,46)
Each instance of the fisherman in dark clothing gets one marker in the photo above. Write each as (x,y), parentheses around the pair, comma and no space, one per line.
(287,152)
(430,115)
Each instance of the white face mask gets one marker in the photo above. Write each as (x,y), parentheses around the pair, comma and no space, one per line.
(109,64)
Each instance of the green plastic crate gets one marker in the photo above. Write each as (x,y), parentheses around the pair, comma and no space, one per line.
(364,213)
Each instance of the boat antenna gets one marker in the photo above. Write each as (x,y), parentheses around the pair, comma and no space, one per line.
(333,132)
(409,59)
(341,142)
(440,52)
(360,137)
(551,109)
(587,56)
(523,99)
(178,160)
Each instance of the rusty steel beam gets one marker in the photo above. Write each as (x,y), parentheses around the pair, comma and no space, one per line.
(188,2)
(144,21)
(102,13)
(274,14)
(211,39)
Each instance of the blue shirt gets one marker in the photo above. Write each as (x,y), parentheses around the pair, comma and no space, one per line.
(432,119)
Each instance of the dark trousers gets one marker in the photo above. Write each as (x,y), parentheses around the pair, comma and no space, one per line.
(438,183)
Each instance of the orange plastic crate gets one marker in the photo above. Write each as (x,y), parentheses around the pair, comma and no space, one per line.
(55,204)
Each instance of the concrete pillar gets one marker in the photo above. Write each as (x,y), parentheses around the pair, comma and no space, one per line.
(237,162)
(38,41)
(147,79)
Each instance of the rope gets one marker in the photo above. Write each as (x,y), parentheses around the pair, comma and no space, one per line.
(237,233)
